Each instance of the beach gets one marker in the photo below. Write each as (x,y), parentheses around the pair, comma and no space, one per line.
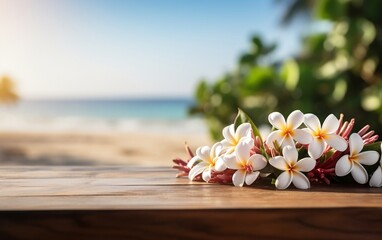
(78,149)
(133,132)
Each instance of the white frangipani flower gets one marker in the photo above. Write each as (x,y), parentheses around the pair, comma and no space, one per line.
(247,166)
(206,160)
(351,163)
(287,131)
(292,169)
(232,137)
(323,136)
(376,178)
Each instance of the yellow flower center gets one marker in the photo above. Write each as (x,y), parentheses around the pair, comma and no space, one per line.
(213,161)
(247,167)
(292,168)
(286,132)
(353,158)
(319,134)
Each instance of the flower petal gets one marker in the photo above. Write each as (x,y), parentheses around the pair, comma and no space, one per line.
(306,164)
(336,142)
(274,136)
(312,122)
(283,181)
(228,133)
(220,165)
(196,170)
(215,150)
(302,136)
(343,166)
(300,181)
(238,178)
(330,124)
(206,175)
(251,177)
(295,119)
(368,157)
(203,153)
(231,161)
(376,178)
(277,120)
(247,141)
(244,130)
(279,163)
(193,161)
(359,173)
(355,144)
(257,162)
(290,154)
(225,143)
(229,150)
(243,151)
(316,148)
(287,141)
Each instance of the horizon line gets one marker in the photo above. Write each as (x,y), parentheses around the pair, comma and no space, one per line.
(106,98)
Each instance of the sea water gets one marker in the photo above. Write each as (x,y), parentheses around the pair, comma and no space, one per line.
(100,115)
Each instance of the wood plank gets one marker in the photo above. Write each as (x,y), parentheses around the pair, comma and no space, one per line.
(124,202)
(355,223)
(140,188)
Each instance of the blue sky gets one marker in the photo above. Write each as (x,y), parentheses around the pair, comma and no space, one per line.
(142,48)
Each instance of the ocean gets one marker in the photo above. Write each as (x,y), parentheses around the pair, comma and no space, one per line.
(100,115)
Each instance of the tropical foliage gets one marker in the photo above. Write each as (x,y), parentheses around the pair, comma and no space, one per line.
(339,71)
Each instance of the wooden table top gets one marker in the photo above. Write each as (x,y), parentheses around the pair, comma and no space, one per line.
(87,199)
(105,188)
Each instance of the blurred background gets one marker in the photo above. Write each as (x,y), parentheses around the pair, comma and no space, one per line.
(87,82)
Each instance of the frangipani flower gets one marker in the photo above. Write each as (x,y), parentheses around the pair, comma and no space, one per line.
(247,166)
(206,160)
(232,137)
(352,163)
(287,131)
(376,178)
(292,169)
(323,136)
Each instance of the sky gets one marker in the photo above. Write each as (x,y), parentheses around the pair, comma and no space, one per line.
(142,48)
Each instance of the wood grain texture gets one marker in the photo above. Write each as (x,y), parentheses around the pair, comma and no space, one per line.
(354,223)
(139,203)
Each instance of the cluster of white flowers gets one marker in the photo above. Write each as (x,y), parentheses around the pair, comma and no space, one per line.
(236,152)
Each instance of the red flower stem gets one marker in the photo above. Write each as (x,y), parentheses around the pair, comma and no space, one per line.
(331,162)
(363,130)
(341,121)
(371,139)
(344,126)
(368,135)
(188,150)
(349,128)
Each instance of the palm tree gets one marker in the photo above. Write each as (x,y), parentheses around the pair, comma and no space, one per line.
(8,94)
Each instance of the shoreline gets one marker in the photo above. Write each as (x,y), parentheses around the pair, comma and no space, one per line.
(96,148)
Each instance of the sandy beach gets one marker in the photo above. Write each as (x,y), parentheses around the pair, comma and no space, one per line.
(132,149)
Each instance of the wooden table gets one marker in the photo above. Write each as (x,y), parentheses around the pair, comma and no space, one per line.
(148,203)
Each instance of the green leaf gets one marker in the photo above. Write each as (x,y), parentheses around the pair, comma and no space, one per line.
(242,117)
(259,78)
(331,10)
(201,93)
(257,45)
(247,58)
(373,147)
(273,181)
(290,73)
